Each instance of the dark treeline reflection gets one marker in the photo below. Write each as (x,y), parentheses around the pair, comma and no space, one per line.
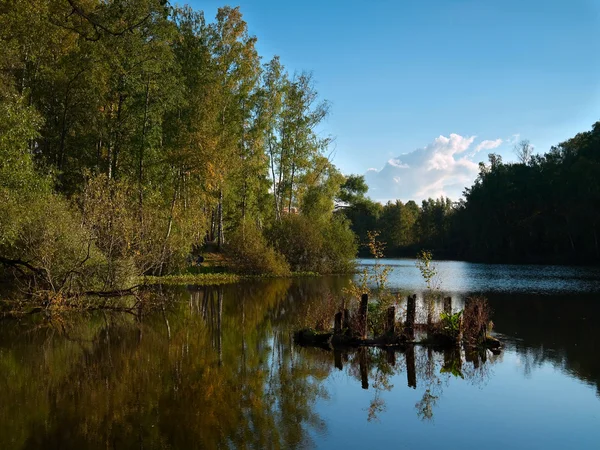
(560,329)
(217,368)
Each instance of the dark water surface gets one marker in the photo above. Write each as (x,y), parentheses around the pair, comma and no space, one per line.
(219,369)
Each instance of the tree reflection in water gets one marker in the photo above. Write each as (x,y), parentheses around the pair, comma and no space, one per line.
(210,372)
(218,368)
(427,368)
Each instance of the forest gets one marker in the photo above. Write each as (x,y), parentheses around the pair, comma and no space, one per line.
(134,133)
(544,208)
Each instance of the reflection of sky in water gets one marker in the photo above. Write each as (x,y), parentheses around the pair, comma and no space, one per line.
(459,277)
(511,407)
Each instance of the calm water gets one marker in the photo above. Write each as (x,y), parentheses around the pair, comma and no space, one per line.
(218,369)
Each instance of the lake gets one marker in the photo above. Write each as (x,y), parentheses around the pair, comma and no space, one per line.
(218,368)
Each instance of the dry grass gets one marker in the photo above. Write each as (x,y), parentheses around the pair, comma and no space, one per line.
(476,320)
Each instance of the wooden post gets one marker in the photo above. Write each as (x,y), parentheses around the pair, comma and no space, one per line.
(391,320)
(448,305)
(411,371)
(337,357)
(337,327)
(362,316)
(346,319)
(411,311)
(364,370)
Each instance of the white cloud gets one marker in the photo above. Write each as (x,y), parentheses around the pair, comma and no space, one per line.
(513,139)
(443,167)
(488,145)
(397,162)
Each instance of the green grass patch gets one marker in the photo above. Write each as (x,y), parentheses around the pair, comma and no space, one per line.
(201,279)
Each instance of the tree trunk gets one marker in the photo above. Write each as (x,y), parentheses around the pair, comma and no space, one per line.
(220,237)
(277,215)
(141,155)
(291,188)
(169,228)
(118,136)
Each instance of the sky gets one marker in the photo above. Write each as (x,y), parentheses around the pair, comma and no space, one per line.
(422,91)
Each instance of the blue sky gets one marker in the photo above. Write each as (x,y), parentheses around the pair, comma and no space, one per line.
(417,80)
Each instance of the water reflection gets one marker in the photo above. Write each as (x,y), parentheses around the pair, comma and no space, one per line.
(210,372)
(218,368)
(423,368)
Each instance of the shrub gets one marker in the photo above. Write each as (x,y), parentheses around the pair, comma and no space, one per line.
(51,239)
(309,245)
(251,253)
(157,238)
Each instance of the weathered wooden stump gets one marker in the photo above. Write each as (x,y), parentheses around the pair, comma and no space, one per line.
(337,324)
(390,325)
(346,319)
(448,305)
(411,312)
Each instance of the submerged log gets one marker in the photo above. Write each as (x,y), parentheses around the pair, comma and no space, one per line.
(492,343)
(310,337)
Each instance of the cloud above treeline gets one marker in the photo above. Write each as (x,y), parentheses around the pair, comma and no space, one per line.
(444,167)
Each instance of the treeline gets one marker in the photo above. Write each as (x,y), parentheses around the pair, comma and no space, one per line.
(542,209)
(134,132)
(404,228)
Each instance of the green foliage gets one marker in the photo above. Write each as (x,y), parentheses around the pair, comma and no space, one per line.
(450,324)
(155,238)
(324,246)
(156,131)
(51,239)
(251,253)
(199,279)
(428,269)
(353,190)
(18,126)
(374,282)
(430,274)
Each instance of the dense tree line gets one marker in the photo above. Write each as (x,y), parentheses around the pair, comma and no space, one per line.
(132,132)
(543,209)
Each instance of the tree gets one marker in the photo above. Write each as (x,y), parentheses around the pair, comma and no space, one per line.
(524,151)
